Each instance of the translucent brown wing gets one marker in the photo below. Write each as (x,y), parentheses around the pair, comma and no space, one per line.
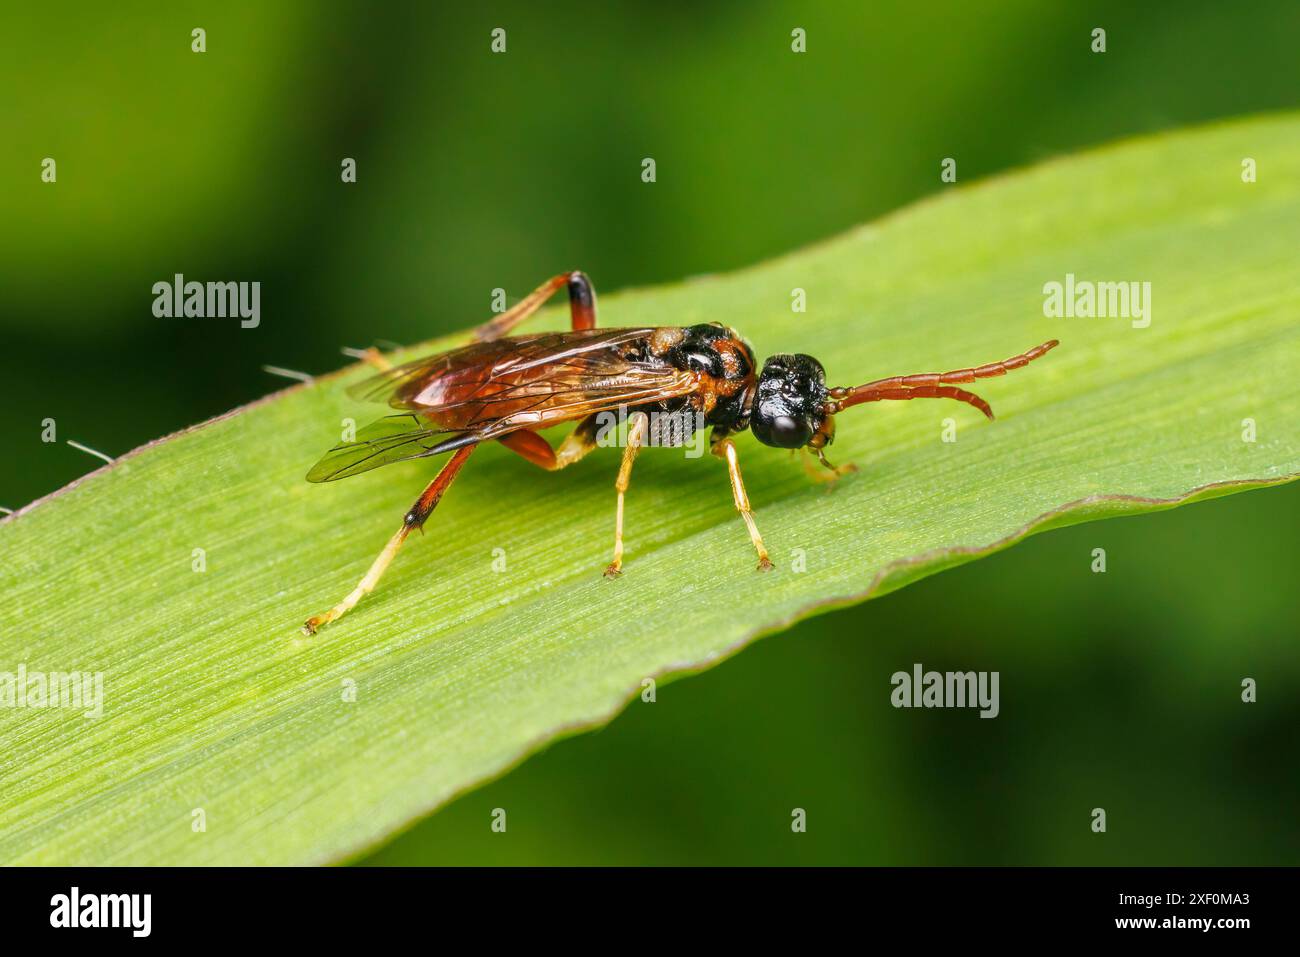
(489,389)
(394,438)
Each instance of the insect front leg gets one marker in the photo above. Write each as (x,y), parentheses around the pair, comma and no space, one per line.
(816,466)
(582,306)
(636,433)
(724,448)
(415,518)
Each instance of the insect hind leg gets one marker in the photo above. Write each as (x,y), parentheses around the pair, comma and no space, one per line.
(538,451)
(582,306)
(414,518)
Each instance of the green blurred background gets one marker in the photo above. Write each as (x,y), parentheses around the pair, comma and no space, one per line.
(478,171)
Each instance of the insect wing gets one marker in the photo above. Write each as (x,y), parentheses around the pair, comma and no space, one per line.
(394,438)
(492,388)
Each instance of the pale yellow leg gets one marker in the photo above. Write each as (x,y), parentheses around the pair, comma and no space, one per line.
(821,470)
(576,444)
(364,587)
(727,449)
(415,518)
(375,358)
(636,433)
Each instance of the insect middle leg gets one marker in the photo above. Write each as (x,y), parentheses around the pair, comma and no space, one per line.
(415,518)
(726,449)
(636,435)
(582,306)
(538,451)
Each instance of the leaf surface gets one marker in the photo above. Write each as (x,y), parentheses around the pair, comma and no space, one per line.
(213,702)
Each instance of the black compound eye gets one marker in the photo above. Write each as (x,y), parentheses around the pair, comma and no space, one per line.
(787,432)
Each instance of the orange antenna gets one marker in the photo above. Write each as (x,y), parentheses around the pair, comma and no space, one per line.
(934,385)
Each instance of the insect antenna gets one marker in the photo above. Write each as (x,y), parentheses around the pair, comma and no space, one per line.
(934,385)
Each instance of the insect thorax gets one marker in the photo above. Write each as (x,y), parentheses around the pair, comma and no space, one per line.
(724,363)
(672,423)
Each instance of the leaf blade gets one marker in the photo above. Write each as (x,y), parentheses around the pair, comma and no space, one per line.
(213,702)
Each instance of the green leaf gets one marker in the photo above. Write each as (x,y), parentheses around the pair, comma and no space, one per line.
(214,701)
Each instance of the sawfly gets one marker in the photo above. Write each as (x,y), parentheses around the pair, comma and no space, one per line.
(667,381)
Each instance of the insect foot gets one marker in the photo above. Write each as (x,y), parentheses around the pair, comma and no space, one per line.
(765,564)
(613,571)
(831,482)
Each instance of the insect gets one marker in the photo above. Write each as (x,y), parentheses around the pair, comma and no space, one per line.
(668,381)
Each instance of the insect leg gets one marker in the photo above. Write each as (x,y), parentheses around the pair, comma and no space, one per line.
(374,358)
(725,448)
(415,518)
(636,434)
(815,466)
(582,306)
(577,444)
(538,451)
